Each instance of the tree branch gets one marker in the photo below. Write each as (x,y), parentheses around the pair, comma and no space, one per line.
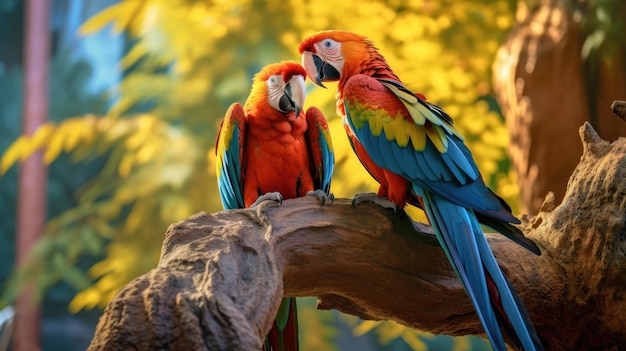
(218,283)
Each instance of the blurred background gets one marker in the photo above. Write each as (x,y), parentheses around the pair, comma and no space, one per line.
(135,92)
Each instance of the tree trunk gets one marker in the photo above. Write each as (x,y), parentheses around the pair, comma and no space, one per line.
(546,91)
(221,276)
(33,173)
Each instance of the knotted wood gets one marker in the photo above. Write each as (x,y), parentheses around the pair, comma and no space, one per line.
(221,276)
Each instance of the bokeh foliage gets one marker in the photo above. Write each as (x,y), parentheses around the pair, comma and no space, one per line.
(188,60)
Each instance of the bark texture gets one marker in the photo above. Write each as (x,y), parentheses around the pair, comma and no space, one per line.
(221,276)
(619,108)
(546,91)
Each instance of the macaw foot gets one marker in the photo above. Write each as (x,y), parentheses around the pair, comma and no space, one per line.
(275,196)
(372,197)
(322,196)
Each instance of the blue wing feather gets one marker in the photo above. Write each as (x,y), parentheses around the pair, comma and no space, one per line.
(419,167)
(328,161)
(229,154)
(320,147)
(454,176)
(457,158)
(438,168)
(425,171)
(454,169)
(405,157)
(386,148)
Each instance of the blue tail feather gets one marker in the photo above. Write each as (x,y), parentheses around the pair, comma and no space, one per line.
(515,311)
(464,243)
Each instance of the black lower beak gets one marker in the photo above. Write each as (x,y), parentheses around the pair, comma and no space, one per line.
(319,65)
(325,71)
(291,100)
(286,104)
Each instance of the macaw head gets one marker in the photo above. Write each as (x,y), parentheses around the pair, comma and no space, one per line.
(334,55)
(281,85)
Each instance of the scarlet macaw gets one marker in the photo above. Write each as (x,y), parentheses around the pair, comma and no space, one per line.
(271,149)
(414,151)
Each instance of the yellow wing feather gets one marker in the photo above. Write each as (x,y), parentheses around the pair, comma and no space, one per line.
(421,114)
(417,117)
(376,122)
(439,140)
(396,128)
(401,94)
(417,135)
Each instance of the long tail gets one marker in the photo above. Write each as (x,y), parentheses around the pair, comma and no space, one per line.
(503,227)
(284,333)
(494,298)
(510,231)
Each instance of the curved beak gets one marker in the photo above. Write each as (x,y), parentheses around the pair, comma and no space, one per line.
(295,94)
(313,65)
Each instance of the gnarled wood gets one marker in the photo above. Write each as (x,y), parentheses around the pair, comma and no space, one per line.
(218,283)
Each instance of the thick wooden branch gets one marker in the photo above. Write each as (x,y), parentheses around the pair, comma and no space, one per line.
(218,283)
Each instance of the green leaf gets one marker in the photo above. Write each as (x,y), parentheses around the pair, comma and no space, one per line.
(592,43)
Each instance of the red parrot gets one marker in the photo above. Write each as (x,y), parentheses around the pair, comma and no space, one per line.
(413,150)
(271,149)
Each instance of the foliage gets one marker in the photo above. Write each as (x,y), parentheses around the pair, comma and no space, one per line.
(63,178)
(9,106)
(7,5)
(68,96)
(602,22)
(188,61)
(389,331)
(313,331)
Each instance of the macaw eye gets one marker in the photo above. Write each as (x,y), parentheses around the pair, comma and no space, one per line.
(328,43)
(273,80)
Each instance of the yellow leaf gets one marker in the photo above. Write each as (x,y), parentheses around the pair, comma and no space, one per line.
(12,154)
(126,164)
(54,146)
(138,51)
(122,105)
(25,146)
(364,327)
(88,298)
(121,14)
(414,341)
(76,131)
(461,344)
(40,137)
(132,9)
